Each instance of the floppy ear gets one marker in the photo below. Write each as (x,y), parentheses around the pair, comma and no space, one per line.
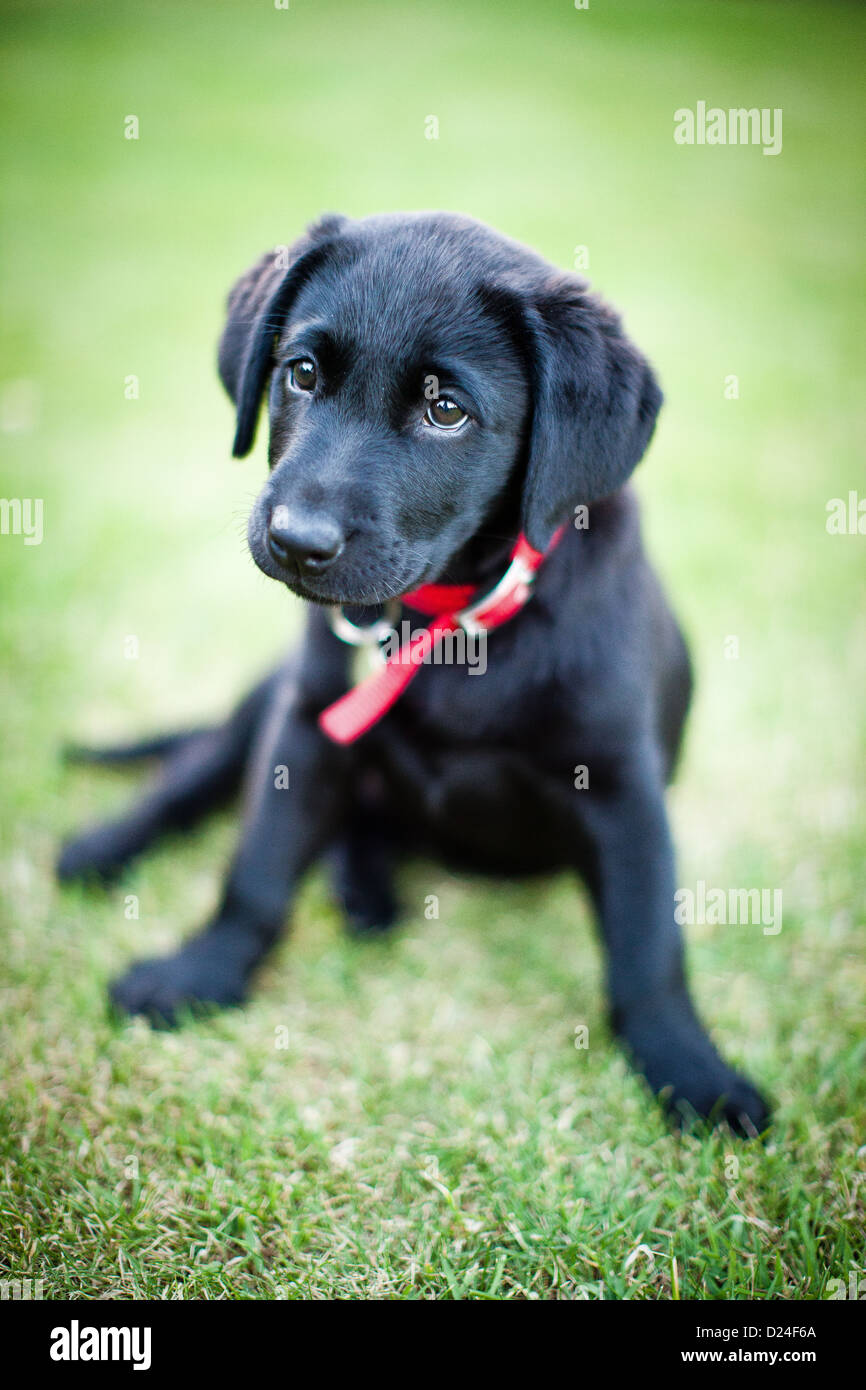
(595,402)
(257,307)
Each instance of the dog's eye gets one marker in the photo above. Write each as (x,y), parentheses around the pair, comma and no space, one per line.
(302,374)
(445,414)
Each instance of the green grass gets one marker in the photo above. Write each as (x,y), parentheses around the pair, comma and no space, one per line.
(429,1129)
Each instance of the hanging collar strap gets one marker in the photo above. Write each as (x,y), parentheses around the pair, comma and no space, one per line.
(451,608)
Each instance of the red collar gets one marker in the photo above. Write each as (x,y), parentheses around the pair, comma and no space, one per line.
(364,705)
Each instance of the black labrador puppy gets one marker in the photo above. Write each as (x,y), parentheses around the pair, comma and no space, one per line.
(435,391)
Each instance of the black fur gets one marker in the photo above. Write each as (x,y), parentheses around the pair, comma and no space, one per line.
(478,770)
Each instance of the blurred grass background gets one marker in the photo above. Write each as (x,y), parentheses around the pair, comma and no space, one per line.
(429,1129)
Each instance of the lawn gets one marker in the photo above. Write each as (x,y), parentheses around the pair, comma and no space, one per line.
(411,1118)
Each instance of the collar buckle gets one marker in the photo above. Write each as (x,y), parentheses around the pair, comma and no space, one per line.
(510,594)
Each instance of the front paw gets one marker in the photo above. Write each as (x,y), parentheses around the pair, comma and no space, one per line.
(718,1097)
(691,1080)
(197,979)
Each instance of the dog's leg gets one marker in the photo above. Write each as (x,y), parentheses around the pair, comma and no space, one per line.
(297,793)
(631,877)
(362,862)
(675,700)
(141,750)
(201,772)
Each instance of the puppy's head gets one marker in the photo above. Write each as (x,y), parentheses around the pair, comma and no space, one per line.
(422,373)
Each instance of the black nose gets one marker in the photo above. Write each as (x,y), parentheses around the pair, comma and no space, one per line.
(307,544)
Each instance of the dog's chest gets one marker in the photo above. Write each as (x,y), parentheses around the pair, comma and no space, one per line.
(481,796)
